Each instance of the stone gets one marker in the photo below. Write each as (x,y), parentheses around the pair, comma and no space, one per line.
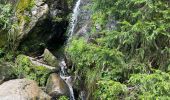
(50,58)
(56,86)
(22,89)
(5,71)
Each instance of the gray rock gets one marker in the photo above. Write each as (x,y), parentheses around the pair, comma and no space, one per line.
(22,89)
(36,14)
(56,86)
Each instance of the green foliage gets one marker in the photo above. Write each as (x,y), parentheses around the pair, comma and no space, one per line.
(25,5)
(110,90)
(25,69)
(12,36)
(94,62)
(129,37)
(150,86)
(63,98)
(92,55)
(140,27)
(5,14)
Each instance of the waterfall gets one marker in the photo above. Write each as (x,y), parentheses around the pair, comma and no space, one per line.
(63,72)
(73,22)
(68,79)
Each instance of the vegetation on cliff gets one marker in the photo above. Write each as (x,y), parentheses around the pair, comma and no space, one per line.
(129,59)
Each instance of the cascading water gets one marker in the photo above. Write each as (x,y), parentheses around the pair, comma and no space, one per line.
(63,73)
(68,79)
(73,22)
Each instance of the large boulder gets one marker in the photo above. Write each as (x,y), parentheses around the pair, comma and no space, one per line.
(56,86)
(41,24)
(28,13)
(22,89)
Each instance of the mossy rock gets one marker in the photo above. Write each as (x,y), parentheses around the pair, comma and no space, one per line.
(25,5)
(24,68)
(50,58)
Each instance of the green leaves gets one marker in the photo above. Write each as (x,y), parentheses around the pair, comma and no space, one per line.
(24,68)
(151,86)
(5,14)
(129,37)
(109,90)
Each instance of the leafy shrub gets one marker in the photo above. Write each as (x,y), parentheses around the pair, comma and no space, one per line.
(150,86)
(110,90)
(94,62)
(89,56)
(140,28)
(25,69)
(5,14)
(63,98)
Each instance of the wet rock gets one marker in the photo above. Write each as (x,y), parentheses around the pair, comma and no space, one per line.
(84,19)
(22,89)
(56,86)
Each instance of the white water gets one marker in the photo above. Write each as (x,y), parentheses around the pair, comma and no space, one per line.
(73,22)
(63,72)
(67,79)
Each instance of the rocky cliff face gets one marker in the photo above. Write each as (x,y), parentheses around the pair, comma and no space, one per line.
(84,18)
(43,21)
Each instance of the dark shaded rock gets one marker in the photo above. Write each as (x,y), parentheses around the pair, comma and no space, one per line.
(5,71)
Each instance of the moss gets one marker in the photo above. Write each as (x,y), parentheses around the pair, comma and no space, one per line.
(63,98)
(25,5)
(24,68)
